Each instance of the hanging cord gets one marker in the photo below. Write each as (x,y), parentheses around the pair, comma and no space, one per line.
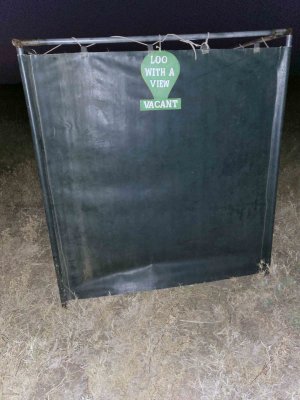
(76,41)
(83,49)
(205,46)
(53,48)
(264,42)
(131,40)
(161,40)
(261,40)
(192,44)
(31,52)
(187,41)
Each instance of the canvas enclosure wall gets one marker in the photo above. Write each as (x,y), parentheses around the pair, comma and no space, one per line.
(141,200)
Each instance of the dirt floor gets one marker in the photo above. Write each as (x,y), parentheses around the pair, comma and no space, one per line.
(233,339)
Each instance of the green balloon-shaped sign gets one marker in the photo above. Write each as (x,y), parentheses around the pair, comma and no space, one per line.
(160,71)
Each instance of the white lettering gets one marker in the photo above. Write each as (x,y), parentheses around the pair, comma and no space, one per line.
(159,104)
(148,104)
(155,71)
(159,83)
(158,59)
(148,71)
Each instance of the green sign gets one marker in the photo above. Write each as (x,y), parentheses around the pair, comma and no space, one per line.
(160,70)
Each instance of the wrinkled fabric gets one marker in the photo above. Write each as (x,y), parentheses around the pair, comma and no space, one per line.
(146,200)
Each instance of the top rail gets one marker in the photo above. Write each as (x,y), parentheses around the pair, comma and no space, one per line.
(277,33)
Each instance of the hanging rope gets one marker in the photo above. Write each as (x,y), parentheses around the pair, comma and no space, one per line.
(265,43)
(76,41)
(203,46)
(261,40)
(131,40)
(79,44)
(53,48)
(83,49)
(187,41)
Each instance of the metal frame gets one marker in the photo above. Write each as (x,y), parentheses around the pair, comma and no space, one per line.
(262,35)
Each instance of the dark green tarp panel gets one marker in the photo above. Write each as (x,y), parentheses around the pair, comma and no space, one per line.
(140,200)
